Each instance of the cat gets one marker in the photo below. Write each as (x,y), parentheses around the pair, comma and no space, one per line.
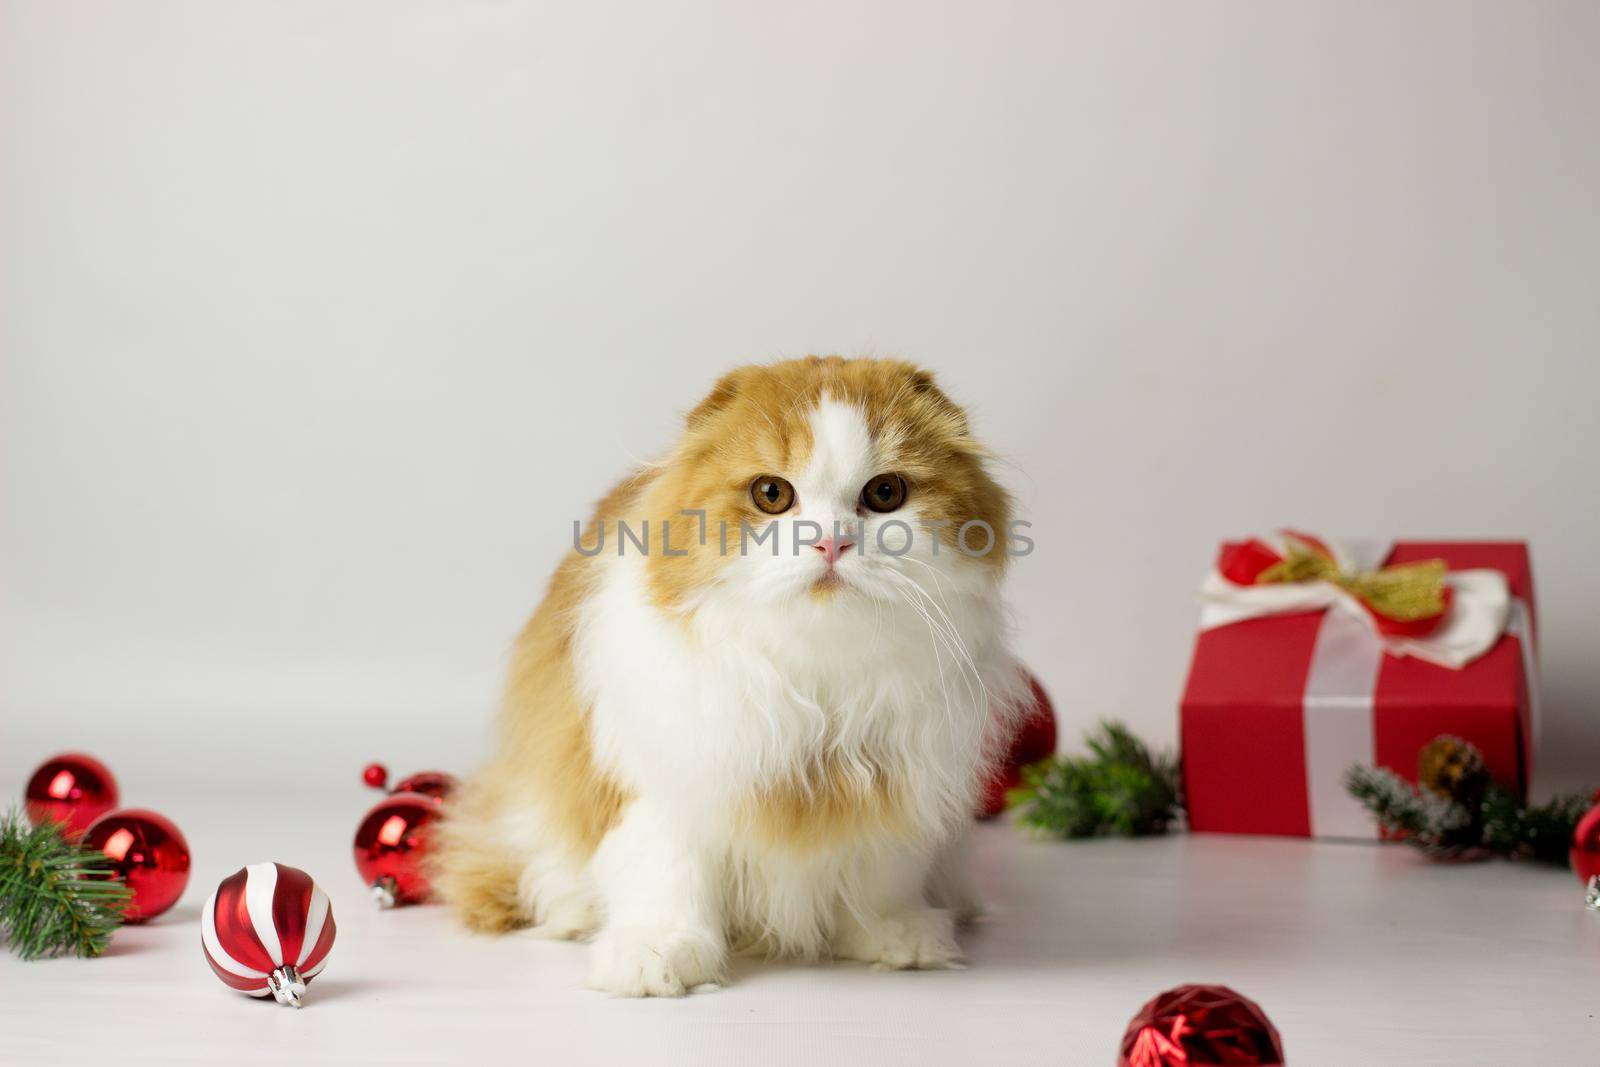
(762,725)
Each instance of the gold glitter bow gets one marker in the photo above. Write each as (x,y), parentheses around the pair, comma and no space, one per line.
(1404,592)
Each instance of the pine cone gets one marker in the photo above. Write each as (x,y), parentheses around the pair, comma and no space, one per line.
(1452,768)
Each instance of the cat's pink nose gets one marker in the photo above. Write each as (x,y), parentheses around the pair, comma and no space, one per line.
(833,547)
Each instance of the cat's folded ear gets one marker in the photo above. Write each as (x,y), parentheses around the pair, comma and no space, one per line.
(722,394)
(924,385)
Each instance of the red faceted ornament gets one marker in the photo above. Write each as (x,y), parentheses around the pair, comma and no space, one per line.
(268,928)
(1036,740)
(1585,852)
(435,784)
(71,788)
(149,853)
(391,845)
(1196,1025)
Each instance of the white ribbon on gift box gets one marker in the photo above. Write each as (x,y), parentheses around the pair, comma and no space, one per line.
(1340,686)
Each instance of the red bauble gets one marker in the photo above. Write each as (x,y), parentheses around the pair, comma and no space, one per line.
(1036,740)
(391,845)
(1005,778)
(1196,1025)
(268,928)
(71,788)
(435,784)
(148,852)
(1585,852)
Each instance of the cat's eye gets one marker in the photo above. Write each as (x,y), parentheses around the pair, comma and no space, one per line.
(772,494)
(886,492)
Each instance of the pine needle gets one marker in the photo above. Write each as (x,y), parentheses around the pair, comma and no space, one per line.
(56,898)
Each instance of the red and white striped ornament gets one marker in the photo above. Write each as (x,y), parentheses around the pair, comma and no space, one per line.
(267,929)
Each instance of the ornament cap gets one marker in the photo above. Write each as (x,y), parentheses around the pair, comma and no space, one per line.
(1591,893)
(287,986)
(386,891)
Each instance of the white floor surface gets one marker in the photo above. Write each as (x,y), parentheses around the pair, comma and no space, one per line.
(1362,954)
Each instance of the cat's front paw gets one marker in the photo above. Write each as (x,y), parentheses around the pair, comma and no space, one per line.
(648,962)
(914,939)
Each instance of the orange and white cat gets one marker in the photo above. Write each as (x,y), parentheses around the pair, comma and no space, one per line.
(763,726)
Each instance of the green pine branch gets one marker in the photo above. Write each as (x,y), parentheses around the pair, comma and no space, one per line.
(55,898)
(1483,817)
(1121,788)
(1438,826)
(1539,831)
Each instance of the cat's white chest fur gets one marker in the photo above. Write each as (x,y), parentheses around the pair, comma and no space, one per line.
(705,716)
(713,707)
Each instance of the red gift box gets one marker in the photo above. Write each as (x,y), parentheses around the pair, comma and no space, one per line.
(1261,757)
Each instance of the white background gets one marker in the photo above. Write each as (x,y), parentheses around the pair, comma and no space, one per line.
(320,323)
